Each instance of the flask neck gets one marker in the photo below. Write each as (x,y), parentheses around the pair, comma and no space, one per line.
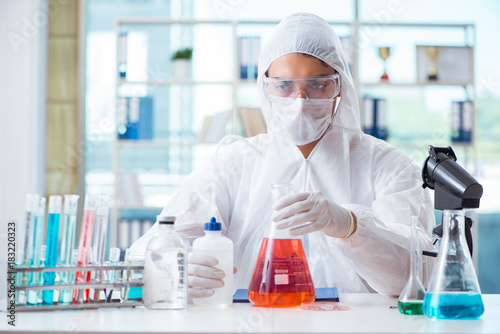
(414,252)
(169,228)
(453,231)
(278,191)
(453,224)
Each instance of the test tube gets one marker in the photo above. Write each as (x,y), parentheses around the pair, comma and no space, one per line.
(84,244)
(31,201)
(68,243)
(90,293)
(114,257)
(100,232)
(49,278)
(43,259)
(126,273)
(35,248)
(22,278)
(74,263)
(99,240)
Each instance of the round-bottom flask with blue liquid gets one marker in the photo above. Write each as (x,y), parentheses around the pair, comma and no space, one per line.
(453,291)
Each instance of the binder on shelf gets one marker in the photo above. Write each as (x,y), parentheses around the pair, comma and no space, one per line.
(122,55)
(374,117)
(243,57)
(253,121)
(122,118)
(123,234)
(131,230)
(214,127)
(146,225)
(135,118)
(135,230)
(249,48)
(462,121)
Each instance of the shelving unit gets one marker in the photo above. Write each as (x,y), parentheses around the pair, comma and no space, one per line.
(230,79)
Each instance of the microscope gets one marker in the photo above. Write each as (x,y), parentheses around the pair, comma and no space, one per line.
(454,188)
(453,291)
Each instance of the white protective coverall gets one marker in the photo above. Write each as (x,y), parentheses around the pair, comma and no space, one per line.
(377,182)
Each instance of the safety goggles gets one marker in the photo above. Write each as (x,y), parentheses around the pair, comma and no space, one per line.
(321,87)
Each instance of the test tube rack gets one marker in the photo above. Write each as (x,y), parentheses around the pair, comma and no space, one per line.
(120,284)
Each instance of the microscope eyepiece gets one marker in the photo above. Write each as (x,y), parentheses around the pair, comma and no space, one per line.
(455,188)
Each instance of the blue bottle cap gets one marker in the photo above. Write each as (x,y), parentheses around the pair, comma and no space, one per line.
(213,225)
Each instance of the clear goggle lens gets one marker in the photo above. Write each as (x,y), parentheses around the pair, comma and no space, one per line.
(322,87)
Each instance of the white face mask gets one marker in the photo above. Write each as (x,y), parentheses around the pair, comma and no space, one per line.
(303,120)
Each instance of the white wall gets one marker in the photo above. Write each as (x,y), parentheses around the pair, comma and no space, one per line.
(23,77)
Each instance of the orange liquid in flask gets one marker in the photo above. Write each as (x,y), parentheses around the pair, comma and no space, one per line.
(281,277)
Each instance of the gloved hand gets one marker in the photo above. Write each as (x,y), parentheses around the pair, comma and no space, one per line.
(203,277)
(322,215)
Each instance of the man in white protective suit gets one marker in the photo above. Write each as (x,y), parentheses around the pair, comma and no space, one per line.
(354,193)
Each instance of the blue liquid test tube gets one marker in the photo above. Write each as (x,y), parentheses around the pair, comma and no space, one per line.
(68,244)
(22,278)
(43,259)
(54,220)
(35,248)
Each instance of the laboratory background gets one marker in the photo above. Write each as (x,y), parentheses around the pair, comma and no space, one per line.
(126,97)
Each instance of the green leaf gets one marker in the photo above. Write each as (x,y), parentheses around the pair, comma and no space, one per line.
(185,53)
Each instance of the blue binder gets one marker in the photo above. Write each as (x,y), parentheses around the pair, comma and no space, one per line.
(135,118)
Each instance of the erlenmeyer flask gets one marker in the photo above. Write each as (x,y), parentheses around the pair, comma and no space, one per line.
(453,291)
(281,277)
(412,297)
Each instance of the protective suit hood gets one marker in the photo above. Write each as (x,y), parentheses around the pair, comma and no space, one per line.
(309,34)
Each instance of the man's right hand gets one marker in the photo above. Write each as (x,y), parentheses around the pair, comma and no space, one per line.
(203,277)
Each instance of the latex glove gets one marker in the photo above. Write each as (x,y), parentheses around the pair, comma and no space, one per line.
(203,277)
(313,208)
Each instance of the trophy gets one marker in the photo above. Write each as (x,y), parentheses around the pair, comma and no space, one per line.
(432,53)
(384,52)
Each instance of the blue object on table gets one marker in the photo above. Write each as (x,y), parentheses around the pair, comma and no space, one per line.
(324,294)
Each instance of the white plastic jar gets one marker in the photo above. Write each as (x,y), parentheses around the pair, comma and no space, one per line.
(220,247)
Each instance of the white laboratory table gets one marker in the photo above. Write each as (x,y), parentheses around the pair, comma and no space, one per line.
(369,313)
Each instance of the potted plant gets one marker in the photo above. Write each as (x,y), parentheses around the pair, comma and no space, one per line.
(181,63)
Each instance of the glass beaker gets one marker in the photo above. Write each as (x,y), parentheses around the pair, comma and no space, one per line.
(453,291)
(281,277)
(412,297)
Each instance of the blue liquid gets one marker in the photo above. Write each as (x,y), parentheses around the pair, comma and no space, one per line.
(51,257)
(34,296)
(453,306)
(20,296)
